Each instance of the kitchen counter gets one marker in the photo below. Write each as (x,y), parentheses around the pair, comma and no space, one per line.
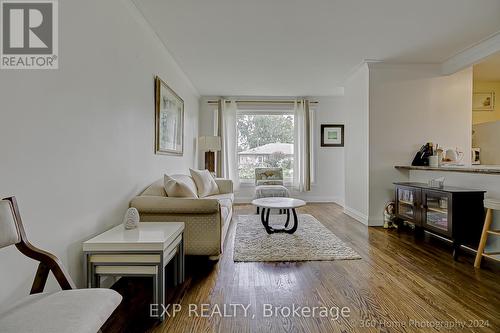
(425,186)
(484,169)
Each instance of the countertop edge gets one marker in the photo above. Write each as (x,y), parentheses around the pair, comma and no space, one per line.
(476,170)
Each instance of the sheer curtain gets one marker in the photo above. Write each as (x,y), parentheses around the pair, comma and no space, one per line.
(302,146)
(227,157)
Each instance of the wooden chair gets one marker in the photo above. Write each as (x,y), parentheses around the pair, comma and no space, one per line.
(76,310)
(490,205)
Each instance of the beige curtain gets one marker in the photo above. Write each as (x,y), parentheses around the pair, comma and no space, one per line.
(227,157)
(302,147)
(220,104)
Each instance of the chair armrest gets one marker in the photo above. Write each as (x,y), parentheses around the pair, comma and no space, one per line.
(47,262)
(225,185)
(166,205)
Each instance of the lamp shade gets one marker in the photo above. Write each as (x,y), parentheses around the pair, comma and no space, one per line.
(209,143)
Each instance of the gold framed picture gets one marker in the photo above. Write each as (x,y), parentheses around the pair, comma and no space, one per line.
(169,120)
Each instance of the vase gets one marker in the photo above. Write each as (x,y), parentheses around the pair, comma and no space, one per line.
(131,219)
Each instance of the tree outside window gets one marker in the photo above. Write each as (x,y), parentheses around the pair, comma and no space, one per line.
(265,140)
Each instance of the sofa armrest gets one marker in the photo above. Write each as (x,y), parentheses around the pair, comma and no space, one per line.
(225,185)
(166,205)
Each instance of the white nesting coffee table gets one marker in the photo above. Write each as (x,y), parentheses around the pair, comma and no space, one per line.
(285,204)
(144,251)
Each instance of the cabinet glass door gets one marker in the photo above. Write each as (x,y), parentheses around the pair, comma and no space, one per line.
(436,207)
(407,203)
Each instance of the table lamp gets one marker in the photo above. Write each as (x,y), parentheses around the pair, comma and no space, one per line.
(209,144)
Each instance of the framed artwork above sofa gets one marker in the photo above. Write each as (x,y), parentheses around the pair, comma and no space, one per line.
(169,120)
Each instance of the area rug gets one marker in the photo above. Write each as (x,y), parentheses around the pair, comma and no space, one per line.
(311,241)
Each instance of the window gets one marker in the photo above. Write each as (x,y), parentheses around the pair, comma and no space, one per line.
(265,139)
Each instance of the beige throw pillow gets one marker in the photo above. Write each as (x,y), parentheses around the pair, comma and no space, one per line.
(176,186)
(205,182)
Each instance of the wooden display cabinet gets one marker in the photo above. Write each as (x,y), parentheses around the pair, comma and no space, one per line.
(454,213)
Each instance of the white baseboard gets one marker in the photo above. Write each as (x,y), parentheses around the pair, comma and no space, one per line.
(375,222)
(336,200)
(358,216)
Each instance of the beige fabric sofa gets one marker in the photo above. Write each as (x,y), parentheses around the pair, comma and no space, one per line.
(207,219)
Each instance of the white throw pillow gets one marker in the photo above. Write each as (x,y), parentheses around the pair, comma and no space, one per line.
(205,182)
(179,188)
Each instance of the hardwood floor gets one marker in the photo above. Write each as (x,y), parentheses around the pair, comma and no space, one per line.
(400,282)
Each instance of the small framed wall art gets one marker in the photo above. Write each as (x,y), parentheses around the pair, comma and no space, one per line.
(483,101)
(332,135)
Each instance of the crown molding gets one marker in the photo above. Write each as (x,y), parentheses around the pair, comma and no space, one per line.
(463,59)
(471,55)
(401,65)
(364,62)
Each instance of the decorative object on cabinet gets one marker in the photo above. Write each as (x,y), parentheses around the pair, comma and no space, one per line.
(436,183)
(453,213)
(332,135)
(169,120)
(131,219)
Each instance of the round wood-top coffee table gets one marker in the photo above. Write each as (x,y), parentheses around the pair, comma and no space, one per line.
(283,204)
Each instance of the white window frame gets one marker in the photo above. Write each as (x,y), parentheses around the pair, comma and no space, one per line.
(264,112)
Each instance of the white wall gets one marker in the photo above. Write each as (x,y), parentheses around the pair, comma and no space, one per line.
(329,162)
(411,105)
(487,137)
(77,143)
(355,108)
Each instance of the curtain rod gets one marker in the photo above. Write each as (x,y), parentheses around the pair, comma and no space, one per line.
(262,102)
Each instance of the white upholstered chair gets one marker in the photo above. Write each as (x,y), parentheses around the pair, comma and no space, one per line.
(269,183)
(69,310)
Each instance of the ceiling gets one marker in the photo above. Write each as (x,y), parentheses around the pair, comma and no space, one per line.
(308,48)
(488,69)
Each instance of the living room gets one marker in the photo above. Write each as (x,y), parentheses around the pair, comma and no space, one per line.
(304,115)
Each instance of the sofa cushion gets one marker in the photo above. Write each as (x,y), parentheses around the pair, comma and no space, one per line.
(180,186)
(268,182)
(157,189)
(226,204)
(265,191)
(225,199)
(224,185)
(80,310)
(205,182)
(224,212)
(166,205)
